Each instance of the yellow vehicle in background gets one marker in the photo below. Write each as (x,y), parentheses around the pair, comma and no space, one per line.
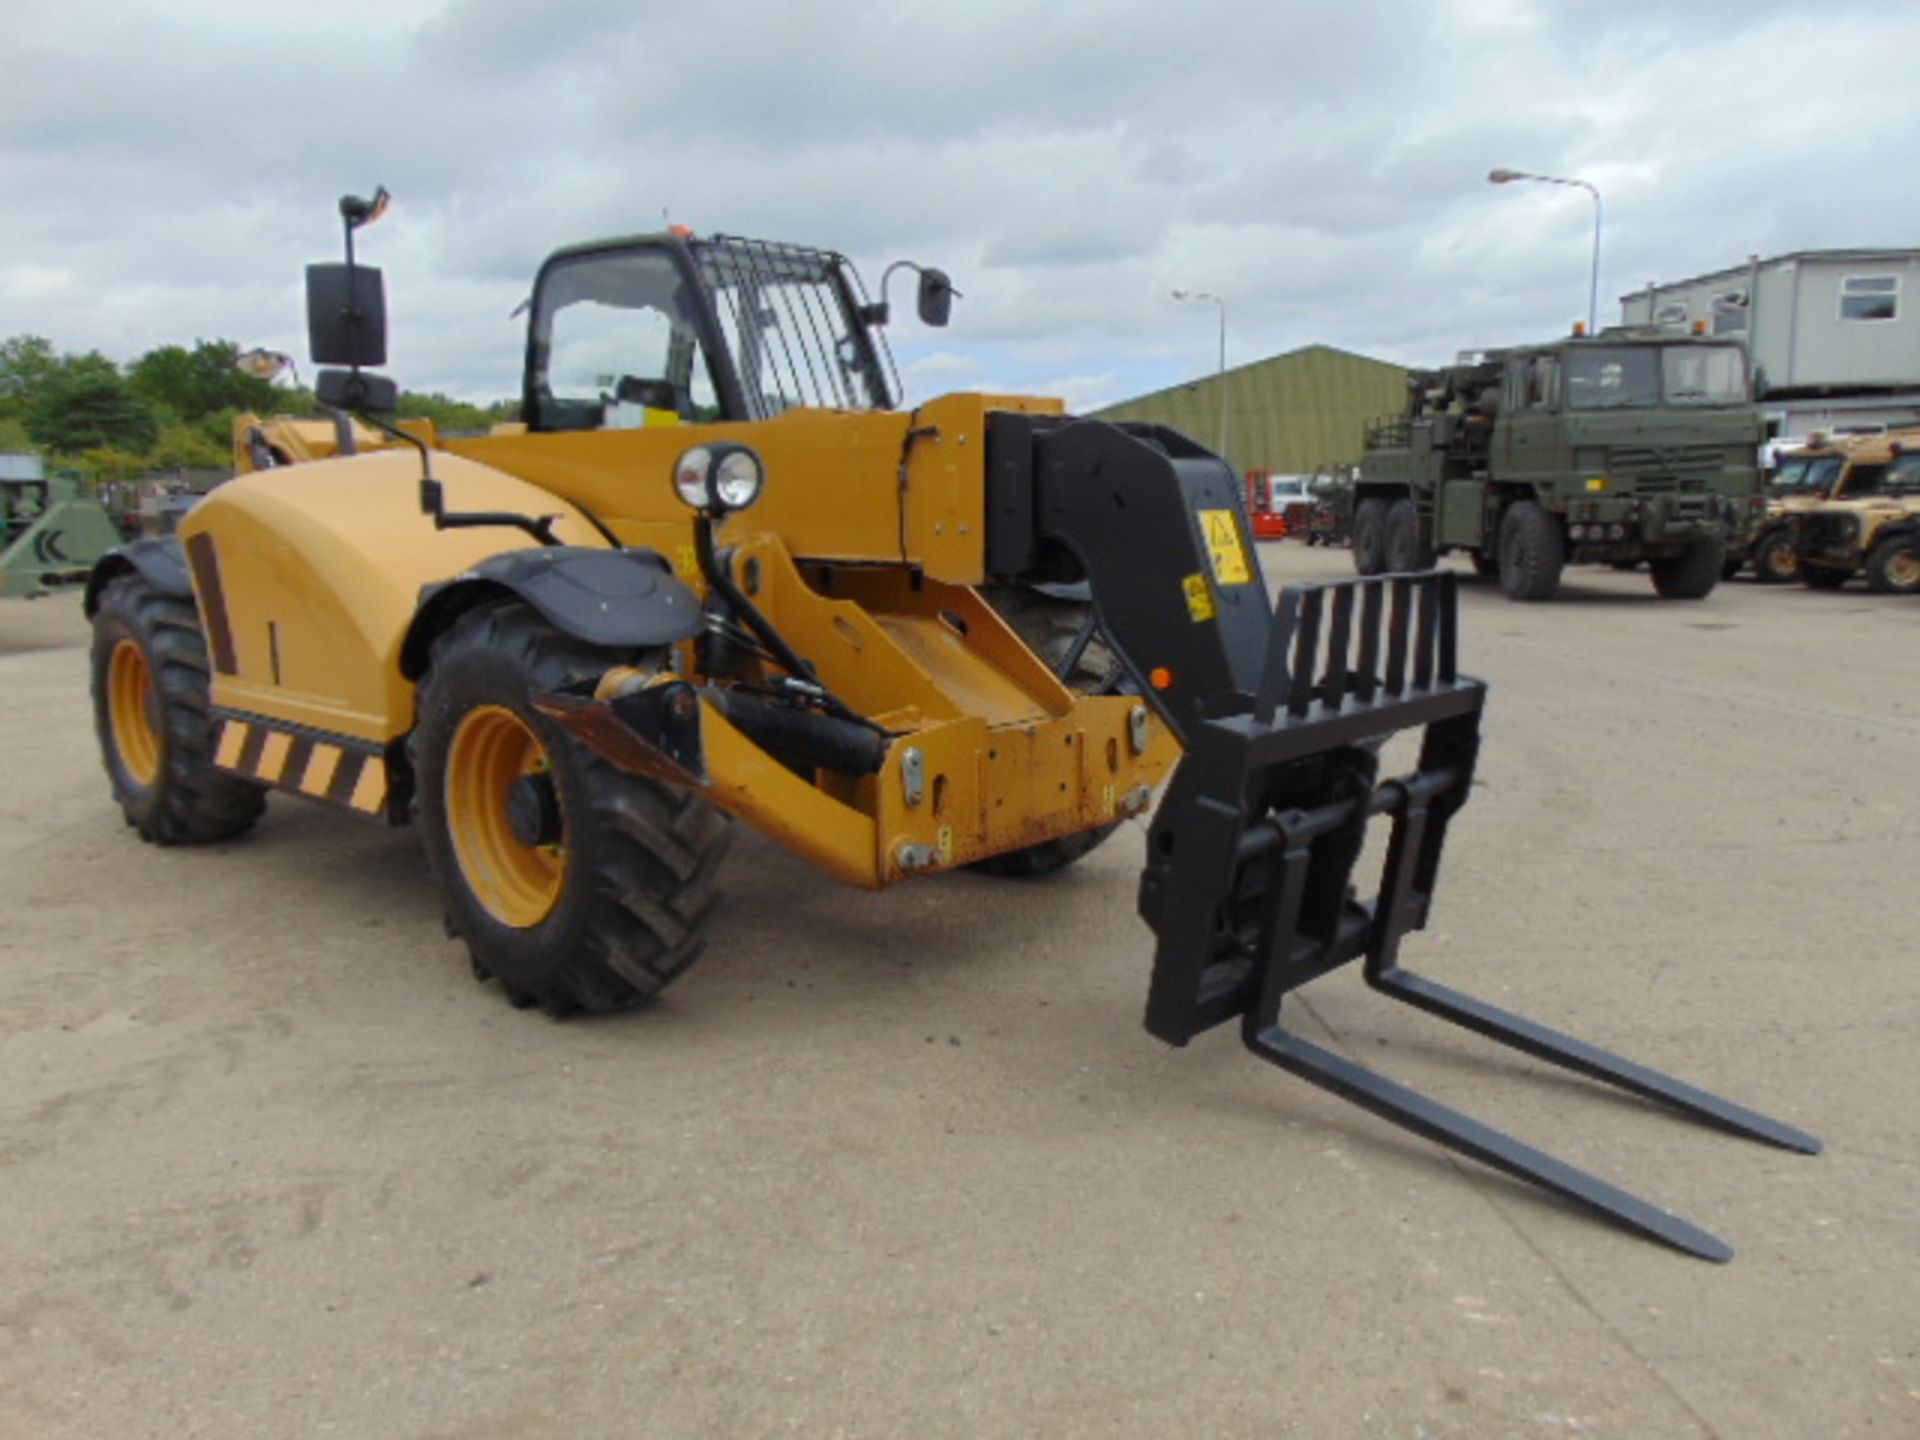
(1868,526)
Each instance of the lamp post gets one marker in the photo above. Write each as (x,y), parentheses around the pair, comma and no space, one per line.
(1203,295)
(1507,177)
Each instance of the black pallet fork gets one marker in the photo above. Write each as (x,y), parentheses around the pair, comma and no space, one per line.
(1250,860)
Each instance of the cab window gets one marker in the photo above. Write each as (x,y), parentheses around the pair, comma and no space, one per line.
(617,347)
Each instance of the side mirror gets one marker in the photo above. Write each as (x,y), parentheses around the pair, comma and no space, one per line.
(346,315)
(350,390)
(936,297)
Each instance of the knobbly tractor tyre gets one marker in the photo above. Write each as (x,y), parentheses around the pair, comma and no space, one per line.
(1893,566)
(1406,551)
(575,885)
(1532,552)
(1370,536)
(1693,575)
(150,711)
(1050,625)
(1774,560)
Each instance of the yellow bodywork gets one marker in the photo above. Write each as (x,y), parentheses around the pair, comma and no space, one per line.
(862,551)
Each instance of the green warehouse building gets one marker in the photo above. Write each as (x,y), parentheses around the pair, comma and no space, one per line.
(1298,413)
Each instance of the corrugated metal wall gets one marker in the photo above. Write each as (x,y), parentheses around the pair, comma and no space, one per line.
(1296,413)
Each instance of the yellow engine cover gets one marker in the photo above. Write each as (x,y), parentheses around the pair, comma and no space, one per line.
(307,577)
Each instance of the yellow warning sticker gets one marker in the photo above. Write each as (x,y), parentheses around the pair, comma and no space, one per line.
(1199,598)
(1224,548)
(686,562)
(1107,805)
(946,843)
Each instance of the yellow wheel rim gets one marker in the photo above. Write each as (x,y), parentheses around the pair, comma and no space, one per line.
(130,705)
(517,884)
(1904,569)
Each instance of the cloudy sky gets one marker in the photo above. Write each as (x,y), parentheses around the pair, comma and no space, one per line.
(169,167)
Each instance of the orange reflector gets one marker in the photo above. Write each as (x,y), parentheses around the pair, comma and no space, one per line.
(682,231)
(1160,678)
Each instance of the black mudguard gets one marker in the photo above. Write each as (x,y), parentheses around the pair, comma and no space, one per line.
(615,599)
(160,561)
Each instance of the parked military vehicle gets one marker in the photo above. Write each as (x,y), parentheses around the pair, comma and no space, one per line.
(1870,527)
(719,571)
(1803,477)
(1632,445)
(51,533)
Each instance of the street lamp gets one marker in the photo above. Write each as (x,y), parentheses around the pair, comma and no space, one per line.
(1507,177)
(1203,295)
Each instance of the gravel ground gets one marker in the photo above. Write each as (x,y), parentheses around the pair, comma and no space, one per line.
(906,1164)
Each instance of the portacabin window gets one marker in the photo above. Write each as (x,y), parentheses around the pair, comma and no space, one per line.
(1869,297)
(1674,314)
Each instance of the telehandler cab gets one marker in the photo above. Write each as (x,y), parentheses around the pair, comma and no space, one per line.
(714,572)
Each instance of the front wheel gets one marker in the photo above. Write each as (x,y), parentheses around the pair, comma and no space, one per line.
(1370,536)
(1693,574)
(1774,560)
(1407,550)
(576,885)
(1532,552)
(1893,567)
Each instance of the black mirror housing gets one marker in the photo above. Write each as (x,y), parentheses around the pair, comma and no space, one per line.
(351,390)
(346,315)
(936,297)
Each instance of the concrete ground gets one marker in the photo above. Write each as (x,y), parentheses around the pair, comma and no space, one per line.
(271,1164)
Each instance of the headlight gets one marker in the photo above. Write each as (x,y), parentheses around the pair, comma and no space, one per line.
(719,478)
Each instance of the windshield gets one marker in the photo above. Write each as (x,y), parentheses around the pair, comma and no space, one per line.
(1636,376)
(1806,474)
(1613,379)
(791,318)
(1703,375)
(616,345)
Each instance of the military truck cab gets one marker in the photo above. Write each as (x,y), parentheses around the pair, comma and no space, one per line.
(1631,445)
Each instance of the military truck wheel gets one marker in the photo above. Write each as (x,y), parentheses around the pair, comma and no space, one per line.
(1893,566)
(1823,577)
(575,885)
(1774,561)
(150,712)
(1690,576)
(1532,552)
(1406,550)
(1050,625)
(1370,536)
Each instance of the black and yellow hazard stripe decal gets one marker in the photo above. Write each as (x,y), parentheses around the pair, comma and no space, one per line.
(348,773)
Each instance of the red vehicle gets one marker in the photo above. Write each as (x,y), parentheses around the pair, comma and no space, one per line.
(1278,505)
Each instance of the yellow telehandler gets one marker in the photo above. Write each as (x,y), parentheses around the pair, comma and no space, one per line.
(714,572)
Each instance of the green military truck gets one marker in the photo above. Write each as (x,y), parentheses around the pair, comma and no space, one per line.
(1635,444)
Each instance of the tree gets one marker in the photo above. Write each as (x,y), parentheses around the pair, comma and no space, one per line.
(202,381)
(87,405)
(25,363)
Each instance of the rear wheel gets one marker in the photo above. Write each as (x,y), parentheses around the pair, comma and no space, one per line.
(1532,553)
(150,710)
(1893,567)
(1774,562)
(1370,536)
(1690,576)
(1051,626)
(1406,549)
(576,885)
